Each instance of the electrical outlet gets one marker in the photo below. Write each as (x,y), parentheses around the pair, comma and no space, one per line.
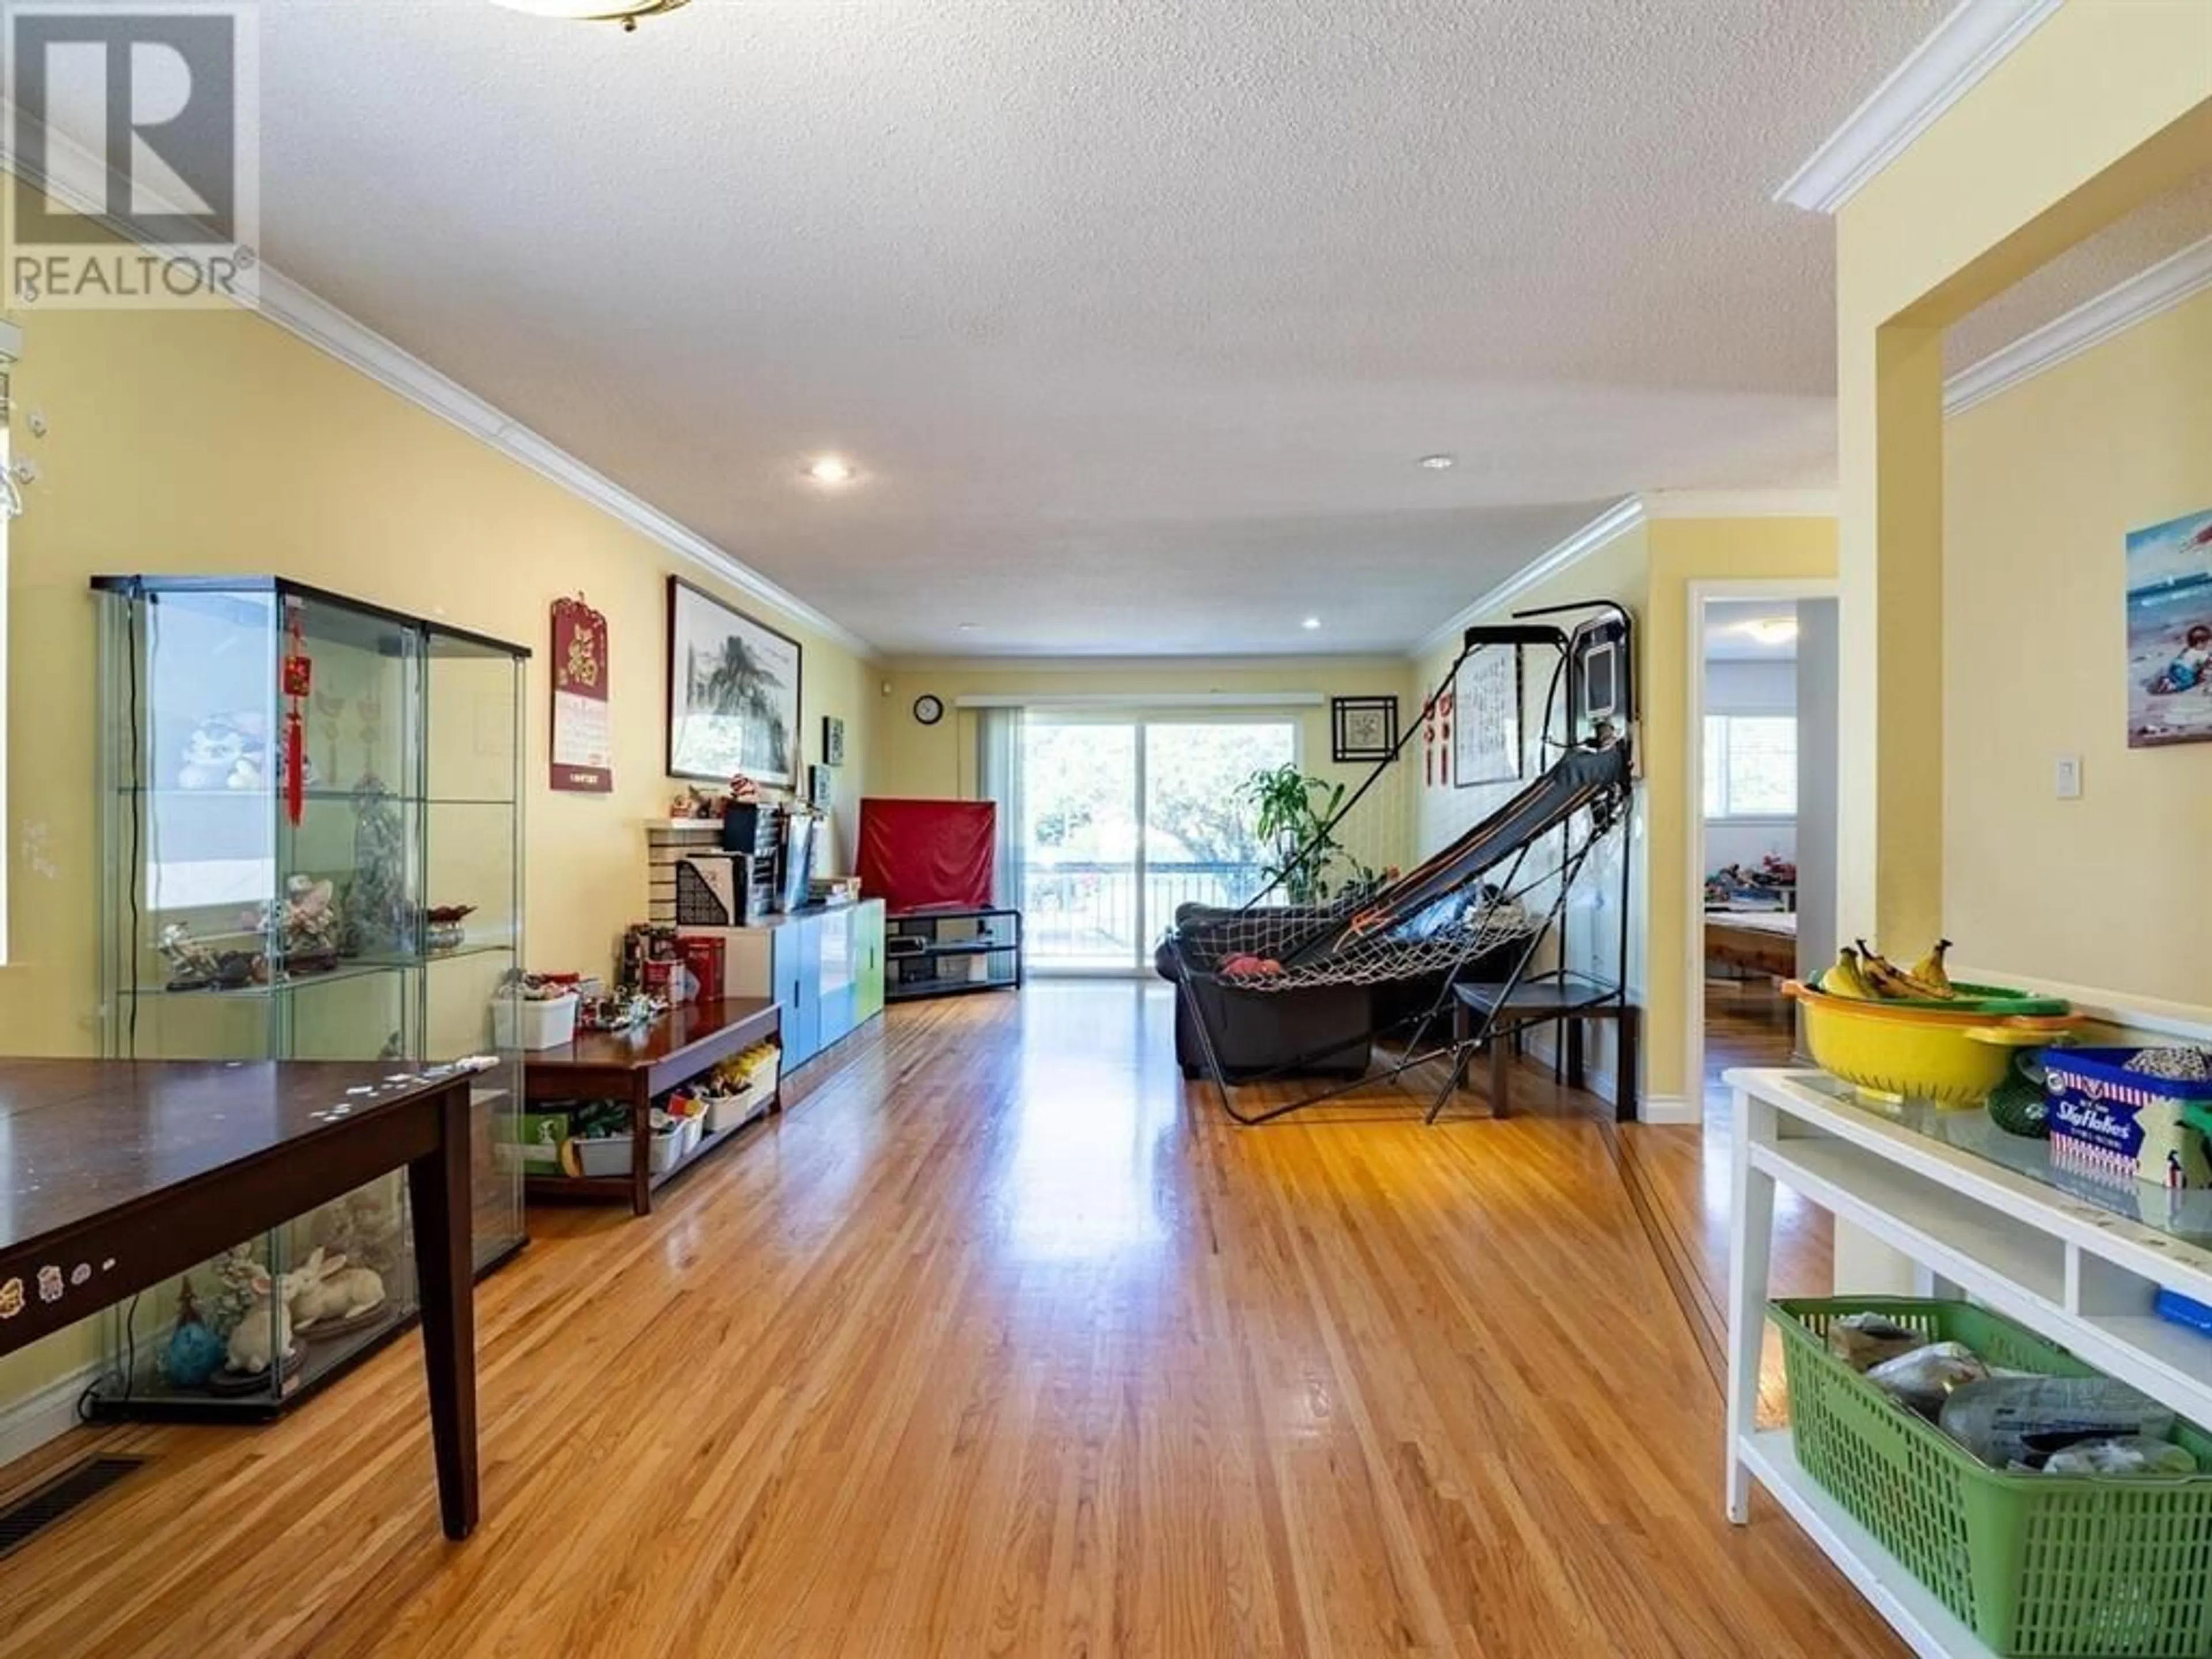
(2066,778)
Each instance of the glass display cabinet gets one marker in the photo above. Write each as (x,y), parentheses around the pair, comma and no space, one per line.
(368,908)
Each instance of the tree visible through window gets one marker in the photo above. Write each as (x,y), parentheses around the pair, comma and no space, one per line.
(1751,766)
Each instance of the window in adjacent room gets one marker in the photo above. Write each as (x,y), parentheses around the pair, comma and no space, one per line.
(1751,766)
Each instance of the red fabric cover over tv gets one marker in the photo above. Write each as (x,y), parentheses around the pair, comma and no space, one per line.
(915,853)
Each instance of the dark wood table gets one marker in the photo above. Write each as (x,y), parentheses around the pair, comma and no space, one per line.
(1569,999)
(119,1175)
(635,1066)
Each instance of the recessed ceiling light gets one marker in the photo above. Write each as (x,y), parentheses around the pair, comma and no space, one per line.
(625,12)
(1310,622)
(969,628)
(831,470)
(1437,463)
(1773,630)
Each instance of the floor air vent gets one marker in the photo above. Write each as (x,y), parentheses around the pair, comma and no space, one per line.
(42,1506)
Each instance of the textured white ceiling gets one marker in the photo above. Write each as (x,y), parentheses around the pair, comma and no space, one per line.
(1729,638)
(1135,315)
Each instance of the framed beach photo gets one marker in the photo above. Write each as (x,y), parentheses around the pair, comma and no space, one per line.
(732,693)
(2170,632)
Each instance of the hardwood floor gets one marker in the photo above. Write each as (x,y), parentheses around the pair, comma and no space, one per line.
(1000,1341)
(1679,1179)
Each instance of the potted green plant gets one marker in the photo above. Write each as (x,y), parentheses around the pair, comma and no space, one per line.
(1294,815)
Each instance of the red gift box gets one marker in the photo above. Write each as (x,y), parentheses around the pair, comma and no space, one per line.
(703,956)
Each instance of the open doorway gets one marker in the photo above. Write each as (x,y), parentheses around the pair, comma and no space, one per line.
(1762,831)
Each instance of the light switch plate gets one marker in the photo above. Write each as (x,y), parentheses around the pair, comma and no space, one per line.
(2066,777)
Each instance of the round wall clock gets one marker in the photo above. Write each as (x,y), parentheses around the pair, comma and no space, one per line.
(927,709)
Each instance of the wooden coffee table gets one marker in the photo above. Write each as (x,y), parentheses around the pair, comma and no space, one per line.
(690,1038)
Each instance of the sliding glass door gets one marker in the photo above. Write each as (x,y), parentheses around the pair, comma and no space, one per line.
(1125,816)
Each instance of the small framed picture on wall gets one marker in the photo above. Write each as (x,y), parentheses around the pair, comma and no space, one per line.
(1362,728)
(833,740)
(1486,739)
(819,788)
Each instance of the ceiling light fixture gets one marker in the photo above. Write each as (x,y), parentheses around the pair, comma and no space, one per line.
(832,470)
(969,628)
(1437,463)
(624,12)
(1310,622)
(1773,630)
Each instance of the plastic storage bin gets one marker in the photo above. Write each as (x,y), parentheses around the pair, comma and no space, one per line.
(517,1022)
(605,1155)
(723,1111)
(672,1142)
(2055,1567)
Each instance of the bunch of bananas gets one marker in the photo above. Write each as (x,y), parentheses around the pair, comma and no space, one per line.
(1866,975)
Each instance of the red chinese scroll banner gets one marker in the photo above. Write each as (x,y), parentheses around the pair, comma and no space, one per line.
(583,727)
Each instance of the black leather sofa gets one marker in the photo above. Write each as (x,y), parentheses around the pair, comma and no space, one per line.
(1325,1030)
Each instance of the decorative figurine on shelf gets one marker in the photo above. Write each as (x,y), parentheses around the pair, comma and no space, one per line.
(693,802)
(195,967)
(365,1227)
(234,1270)
(742,789)
(194,1351)
(264,1332)
(306,927)
(217,746)
(443,928)
(376,910)
(326,1294)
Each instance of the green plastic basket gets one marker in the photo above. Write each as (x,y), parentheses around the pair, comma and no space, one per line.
(1987,999)
(2039,1566)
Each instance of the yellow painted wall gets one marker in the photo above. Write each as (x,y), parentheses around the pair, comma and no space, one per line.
(2042,484)
(927,761)
(1649,569)
(1618,569)
(2106,104)
(214,442)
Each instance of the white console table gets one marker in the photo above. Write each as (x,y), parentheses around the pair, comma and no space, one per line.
(1967,1203)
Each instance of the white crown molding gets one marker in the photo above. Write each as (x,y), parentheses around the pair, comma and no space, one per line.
(2090,324)
(1963,48)
(310,318)
(1615,521)
(1740,504)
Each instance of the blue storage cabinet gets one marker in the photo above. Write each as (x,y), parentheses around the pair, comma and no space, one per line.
(819,964)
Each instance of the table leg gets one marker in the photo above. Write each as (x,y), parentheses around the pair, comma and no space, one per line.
(1624,1062)
(438,1193)
(1751,1242)
(1573,1035)
(1501,1068)
(641,1145)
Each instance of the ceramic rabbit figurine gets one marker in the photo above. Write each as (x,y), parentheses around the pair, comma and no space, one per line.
(269,1315)
(329,1291)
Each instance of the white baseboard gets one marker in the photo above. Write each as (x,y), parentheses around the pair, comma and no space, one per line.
(44,1415)
(1542,1045)
(1668,1110)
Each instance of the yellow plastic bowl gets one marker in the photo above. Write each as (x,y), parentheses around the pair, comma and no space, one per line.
(1893,1054)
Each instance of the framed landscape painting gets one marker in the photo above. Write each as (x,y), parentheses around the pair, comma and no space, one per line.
(2170,632)
(732,693)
